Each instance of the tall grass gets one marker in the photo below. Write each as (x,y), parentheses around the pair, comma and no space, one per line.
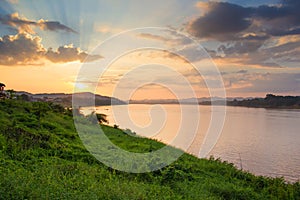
(42,157)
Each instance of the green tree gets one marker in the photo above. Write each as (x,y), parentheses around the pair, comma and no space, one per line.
(102,118)
(12,94)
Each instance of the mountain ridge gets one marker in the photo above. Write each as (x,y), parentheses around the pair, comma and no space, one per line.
(65,99)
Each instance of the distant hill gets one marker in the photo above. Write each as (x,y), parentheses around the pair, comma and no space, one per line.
(66,99)
(270,101)
(203,100)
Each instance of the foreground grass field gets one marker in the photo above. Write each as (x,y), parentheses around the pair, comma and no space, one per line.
(42,157)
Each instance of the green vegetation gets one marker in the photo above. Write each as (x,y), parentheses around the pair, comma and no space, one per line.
(270,101)
(42,157)
(102,118)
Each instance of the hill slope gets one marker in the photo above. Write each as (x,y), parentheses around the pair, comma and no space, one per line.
(66,99)
(42,157)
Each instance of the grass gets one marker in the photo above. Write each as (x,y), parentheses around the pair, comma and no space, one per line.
(42,157)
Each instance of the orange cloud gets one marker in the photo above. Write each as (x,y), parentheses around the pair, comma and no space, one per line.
(107,29)
(69,54)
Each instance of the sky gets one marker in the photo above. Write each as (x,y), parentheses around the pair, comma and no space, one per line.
(247,48)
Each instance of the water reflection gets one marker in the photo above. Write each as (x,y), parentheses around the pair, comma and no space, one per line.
(262,141)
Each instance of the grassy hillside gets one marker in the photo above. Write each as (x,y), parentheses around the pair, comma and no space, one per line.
(42,157)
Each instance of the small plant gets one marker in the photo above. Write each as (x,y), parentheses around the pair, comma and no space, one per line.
(11,94)
(102,118)
(116,126)
(129,132)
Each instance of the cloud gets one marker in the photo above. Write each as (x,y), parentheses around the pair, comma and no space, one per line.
(264,83)
(241,47)
(221,21)
(170,37)
(163,56)
(101,28)
(13,1)
(255,59)
(54,26)
(69,54)
(152,36)
(280,55)
(20,49)
(251,35)
(15,21)
(285,52)
(226,21)
(180,44)
(25,49)
(242,71)
(22,24)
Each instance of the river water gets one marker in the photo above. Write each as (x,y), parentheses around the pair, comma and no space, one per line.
(262,141)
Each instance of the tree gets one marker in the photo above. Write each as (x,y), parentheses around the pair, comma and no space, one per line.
(2,85)
(102,118)
(2,94)
(269,96)
(12,94)
(23,97)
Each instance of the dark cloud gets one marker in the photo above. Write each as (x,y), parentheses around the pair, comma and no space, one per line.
(286,52)
(241,47)
(20,49)
(265,83)
(278,32)
(242,71)
(270,12)
(13,21)
(275,56)
(225,21)
(25,49)
(212,53)
(249,34)
(54,26)
(222,21)
(24,25)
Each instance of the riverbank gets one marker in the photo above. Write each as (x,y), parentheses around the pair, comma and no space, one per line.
(43,157)
(264,141)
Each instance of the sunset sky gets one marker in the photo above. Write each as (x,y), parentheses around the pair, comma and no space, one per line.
(254,44)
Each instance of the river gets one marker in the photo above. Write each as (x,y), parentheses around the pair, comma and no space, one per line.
(262,141)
